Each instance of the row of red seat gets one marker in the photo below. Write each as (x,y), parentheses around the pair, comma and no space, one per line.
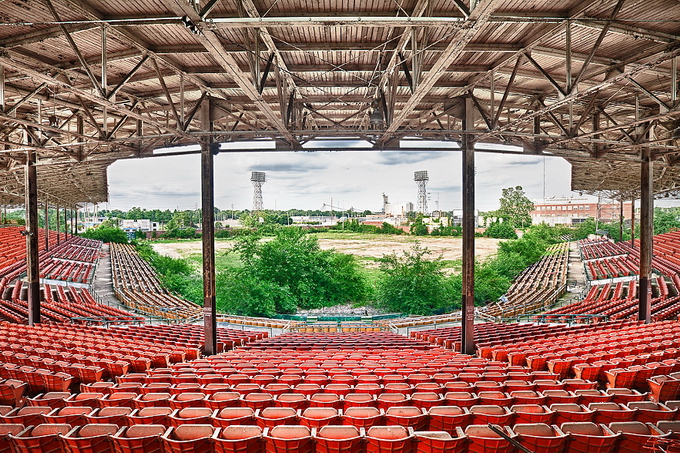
(139,288)
(536,287)
(591,249)
(541,438)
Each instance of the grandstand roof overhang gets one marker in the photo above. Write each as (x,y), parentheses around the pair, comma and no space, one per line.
(86,82)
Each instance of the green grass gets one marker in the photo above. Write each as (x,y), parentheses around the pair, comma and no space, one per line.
(223,260)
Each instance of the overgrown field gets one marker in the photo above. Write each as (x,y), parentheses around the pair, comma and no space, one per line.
(262,276)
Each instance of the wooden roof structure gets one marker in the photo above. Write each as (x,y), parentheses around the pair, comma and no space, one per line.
(86,82)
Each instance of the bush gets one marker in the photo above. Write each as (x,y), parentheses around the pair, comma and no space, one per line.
(413,284)
(501,230)
(294,263)
(106,234)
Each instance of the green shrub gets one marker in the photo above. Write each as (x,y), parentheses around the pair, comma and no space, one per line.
(412,283)
(294,262)
(501,230)
(106,234)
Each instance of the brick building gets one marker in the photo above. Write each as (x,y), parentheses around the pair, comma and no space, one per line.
(574,210)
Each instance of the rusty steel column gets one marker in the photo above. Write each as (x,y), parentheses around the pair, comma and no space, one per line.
(58,226)
(468,296)
(632,222)
(646,234)
(208,235)
(65,226)
(32,252)
(621,219)
(47,226)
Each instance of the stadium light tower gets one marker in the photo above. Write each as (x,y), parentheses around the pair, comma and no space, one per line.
(257,178)
(421,179)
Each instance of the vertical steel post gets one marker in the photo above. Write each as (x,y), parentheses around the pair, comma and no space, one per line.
(646,234)
(208,234)
(32,267)
(65,226)
(621,219)
(468,296)
(632,222)
(58,226)
(47,226)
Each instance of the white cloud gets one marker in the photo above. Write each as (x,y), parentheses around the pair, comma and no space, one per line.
(307,180)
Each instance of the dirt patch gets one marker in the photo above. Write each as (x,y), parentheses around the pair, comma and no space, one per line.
(450,248)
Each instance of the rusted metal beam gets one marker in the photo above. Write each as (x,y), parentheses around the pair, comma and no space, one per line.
(468,273)
(208,234)
(47,226)
(32,250)
(646,234)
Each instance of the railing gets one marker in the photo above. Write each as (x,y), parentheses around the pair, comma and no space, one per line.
(568,318)
(106,321)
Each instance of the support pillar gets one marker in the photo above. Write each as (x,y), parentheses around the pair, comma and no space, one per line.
(58,227)
(208,235)
(632,222)
(32,268)
(65,226)
(468,296)
(47,226)
(646,234)
(621,219)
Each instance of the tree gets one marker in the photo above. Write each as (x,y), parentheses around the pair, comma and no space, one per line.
(293,270)
(418,228)
(411,283)
(515,207)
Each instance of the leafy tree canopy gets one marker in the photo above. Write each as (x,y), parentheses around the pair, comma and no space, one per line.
(515,207)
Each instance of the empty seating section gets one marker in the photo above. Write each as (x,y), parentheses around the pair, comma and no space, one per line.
(488,335)
(138,287)
(332,392)
(62,304)
(618,265)
(536,288)
(72,260)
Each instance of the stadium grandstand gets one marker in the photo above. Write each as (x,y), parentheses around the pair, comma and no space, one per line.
(84,83)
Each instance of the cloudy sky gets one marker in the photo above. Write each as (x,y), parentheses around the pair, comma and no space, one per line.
(307,180)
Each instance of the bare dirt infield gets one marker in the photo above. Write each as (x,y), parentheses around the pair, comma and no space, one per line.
(360,245)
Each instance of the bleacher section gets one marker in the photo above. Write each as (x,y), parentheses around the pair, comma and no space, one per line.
(536,288)
(138,287)
(72,261)
(569,389)
(613,297)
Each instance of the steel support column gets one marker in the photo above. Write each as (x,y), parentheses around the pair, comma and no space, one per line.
(47,226)
(646,234)
(208,236)
(58,227)
(632,222)
(468,296)
(32,268)
(621,219)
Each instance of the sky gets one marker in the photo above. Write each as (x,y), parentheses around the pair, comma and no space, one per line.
(352,179)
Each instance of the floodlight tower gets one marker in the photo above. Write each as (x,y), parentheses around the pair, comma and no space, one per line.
(257,178)
(421,179)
